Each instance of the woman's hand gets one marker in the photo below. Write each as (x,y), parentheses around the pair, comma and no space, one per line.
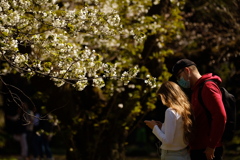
(159,124)
(151,123)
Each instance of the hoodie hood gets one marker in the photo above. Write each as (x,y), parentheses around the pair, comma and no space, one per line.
(205,77)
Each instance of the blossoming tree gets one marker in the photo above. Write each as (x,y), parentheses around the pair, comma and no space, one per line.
(115,46)
(63,43)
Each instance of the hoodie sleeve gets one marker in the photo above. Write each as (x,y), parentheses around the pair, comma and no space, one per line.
(212,98)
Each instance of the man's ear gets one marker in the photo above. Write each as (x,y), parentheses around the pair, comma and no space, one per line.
(187,70)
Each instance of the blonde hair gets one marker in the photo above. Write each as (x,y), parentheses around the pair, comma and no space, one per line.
(173,96)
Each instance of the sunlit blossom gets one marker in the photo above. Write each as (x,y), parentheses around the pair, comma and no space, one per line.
(70,45)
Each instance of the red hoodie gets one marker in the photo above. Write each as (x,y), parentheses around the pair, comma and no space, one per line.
(208,134)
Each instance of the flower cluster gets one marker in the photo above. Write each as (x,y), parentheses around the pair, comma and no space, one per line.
(75,44)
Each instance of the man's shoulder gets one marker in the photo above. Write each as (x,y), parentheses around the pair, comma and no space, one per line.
(208,84)
(210,87)
(210,79)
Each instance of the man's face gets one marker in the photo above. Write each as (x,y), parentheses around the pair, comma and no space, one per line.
(183,78)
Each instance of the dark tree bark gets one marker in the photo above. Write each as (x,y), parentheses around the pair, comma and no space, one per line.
(150,45)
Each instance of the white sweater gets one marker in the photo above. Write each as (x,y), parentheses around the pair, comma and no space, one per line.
(171,132)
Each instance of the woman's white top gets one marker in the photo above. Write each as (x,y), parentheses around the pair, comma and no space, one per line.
(171,132)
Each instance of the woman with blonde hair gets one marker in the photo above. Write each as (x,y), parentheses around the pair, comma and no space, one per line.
(174,133)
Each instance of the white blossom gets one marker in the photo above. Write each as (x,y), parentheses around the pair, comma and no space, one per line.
(20,59)
(4,5)
(80,85)
(120,105)
(98,82)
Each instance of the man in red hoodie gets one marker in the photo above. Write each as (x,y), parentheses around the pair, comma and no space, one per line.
(206,142)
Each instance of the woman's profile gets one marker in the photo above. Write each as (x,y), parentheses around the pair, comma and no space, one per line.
(174,133)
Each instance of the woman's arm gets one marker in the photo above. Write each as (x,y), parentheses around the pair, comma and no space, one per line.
(167,135)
